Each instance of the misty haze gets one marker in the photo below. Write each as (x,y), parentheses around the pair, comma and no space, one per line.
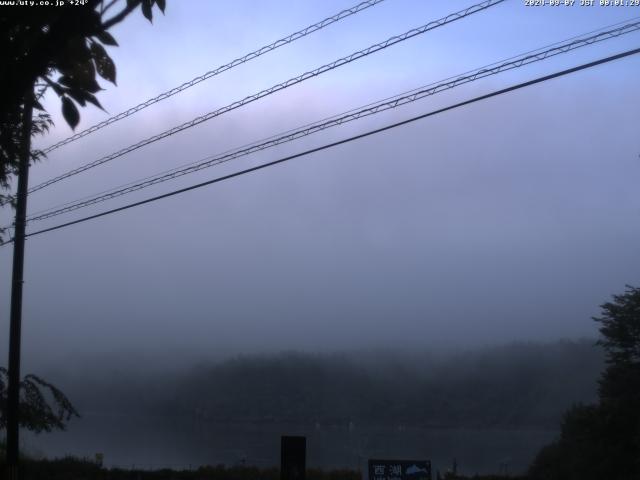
(440,266)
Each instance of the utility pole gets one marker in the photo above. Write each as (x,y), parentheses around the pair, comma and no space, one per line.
(13,400)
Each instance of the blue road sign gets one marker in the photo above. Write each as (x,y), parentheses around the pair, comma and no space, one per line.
(399,470)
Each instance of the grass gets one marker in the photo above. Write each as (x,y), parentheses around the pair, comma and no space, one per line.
(72,468)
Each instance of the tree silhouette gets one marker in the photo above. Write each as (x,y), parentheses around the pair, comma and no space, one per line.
(43,407)
(603,440)
(60,48)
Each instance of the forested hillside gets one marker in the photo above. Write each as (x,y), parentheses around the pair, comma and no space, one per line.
(517,385)
(513,386)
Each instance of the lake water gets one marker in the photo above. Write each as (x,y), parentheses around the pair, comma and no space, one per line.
(153,443)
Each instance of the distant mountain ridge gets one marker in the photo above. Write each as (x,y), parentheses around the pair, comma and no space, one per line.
(518,385)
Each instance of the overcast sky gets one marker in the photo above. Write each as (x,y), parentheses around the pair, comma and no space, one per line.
(510,219)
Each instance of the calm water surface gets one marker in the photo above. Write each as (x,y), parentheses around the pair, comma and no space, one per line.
(155,442)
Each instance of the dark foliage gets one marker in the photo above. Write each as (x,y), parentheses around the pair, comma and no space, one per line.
(517,386)
(77,469)
(71,468)
(59,48)
(43,407)
(603,440)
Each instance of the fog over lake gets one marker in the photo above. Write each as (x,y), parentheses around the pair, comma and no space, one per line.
(488,408)
(426,292)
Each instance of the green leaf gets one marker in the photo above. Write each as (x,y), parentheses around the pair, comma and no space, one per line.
(65,80)
(92,99)
(161,5)
(105,66)
(77,50)
(82,97)
(56,86)
(77,96)
(146,10)
(70,112)
(106,38)
(80,76)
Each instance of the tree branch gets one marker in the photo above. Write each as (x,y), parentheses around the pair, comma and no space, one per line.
(109,5)
(120,16)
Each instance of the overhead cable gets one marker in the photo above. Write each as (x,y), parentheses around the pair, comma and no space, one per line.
(216,71)
(343,141)
(371,109)
(281,86)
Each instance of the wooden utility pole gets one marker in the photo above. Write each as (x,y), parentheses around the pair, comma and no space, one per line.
(13,400)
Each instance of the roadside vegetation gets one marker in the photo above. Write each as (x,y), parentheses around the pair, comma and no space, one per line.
(71,468)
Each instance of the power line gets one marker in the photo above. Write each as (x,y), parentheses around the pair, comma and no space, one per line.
(281,86)
(537,50)
(371,109)
(601,30)
(343,141)
(223,68)
(336,120)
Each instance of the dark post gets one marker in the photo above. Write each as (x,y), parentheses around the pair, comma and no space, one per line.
(293,452)
(13,397)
